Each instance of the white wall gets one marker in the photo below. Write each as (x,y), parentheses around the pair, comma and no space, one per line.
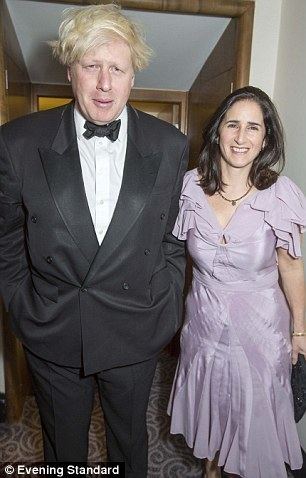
(266,29)
(290,86)
(278,66)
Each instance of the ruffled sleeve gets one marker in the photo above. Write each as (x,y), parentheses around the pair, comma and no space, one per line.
(185,218)
(284,207)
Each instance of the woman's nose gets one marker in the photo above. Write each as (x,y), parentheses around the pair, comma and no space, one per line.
(240,135)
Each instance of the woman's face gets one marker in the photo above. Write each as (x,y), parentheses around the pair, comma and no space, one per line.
(242,134)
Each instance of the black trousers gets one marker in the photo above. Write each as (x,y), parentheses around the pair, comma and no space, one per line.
(65,400)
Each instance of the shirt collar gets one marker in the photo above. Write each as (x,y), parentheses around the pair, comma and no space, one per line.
(80,121)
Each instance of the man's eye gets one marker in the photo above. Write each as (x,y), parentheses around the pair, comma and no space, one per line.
(231,125)
(91,67)
(253,128)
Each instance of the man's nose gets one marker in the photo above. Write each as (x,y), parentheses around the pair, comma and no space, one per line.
(104,81)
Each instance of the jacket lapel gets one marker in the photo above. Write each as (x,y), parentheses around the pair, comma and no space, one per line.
(62,168)
(139,175)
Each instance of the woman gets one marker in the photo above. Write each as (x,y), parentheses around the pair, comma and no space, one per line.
(231,397)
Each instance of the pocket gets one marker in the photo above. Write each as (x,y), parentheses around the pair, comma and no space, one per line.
(44,288)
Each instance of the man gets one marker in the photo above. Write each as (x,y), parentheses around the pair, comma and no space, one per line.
(90,272)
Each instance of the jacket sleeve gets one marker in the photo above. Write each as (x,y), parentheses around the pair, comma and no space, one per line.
(13,258)
(174,249)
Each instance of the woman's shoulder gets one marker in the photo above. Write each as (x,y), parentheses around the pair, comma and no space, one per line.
(283,189)
(285,211)
(284,195)
(191,175)
(191,186)
(288,191)
(283,201)
(285,181)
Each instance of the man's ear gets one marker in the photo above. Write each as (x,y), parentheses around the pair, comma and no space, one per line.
(132,81)
(69,73)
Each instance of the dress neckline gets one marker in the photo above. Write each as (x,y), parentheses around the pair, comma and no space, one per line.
(246,200)
(213,214)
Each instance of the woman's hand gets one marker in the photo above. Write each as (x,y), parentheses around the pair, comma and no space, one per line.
(298,347)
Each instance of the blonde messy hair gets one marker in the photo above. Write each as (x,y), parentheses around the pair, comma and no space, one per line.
(90,27)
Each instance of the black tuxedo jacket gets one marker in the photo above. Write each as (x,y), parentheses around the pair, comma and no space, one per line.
(70,300)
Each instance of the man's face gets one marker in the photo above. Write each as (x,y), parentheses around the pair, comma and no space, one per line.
(102,80)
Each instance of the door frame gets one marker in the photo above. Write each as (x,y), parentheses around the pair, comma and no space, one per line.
(241,10)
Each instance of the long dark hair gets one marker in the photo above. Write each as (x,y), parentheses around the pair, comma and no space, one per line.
(261,175)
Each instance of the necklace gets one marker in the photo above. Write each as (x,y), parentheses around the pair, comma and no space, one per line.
(234,201)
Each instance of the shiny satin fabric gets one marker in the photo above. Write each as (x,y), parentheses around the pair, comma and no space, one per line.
(232,389)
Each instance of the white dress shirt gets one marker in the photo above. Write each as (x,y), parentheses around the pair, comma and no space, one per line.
(102,163)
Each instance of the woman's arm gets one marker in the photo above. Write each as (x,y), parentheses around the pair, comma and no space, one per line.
(292,276)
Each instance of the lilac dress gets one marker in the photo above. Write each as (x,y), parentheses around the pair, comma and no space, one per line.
(232,390)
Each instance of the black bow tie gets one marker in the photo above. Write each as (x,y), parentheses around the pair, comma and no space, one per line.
(110,130)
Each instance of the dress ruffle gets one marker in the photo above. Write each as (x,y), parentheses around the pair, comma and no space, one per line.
(188,208)
(284,208)
(185,219)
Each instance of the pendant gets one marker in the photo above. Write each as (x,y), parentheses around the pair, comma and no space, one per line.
(233,203)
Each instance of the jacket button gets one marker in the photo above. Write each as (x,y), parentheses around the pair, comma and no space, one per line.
(125,286)
(49,259)
(147,252)
(162,216)
(34,219)
(83,289)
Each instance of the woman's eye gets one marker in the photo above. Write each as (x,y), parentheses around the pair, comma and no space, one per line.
(253,128)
